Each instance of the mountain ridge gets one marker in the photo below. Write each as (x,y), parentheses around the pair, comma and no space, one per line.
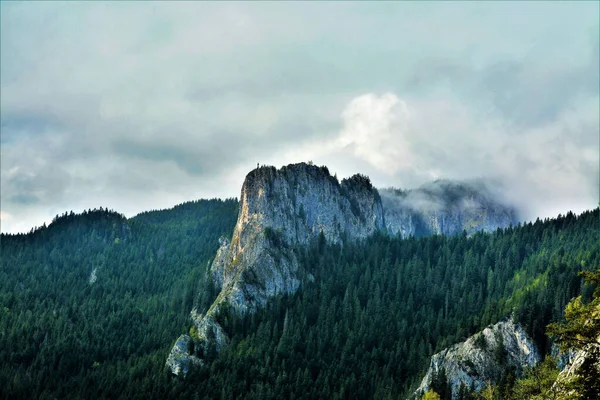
(287,207)
(68,337)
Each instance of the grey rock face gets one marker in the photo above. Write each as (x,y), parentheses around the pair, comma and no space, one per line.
(281,209)
(444,207)
(575,361)
(208,331)
(179,360)
(572,369)
(284,208)
(563,358)
(475,361)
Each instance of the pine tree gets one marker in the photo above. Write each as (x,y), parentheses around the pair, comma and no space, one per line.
(581,332)
(537,382)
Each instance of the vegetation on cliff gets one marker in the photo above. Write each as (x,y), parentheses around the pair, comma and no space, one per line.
(377,310)
(363,327)
(578,337)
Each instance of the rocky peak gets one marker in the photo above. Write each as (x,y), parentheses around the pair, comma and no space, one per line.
(482,358)
(280,209)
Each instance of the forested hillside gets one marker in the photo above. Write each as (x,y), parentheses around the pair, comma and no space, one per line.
(376,311)
(364,327)
(89,305)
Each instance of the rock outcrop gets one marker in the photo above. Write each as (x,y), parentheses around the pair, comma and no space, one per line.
(281,209)
(180,360)
(586,360)
(284,208)
(482,358)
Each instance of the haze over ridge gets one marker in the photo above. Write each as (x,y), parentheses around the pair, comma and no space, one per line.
(142,106)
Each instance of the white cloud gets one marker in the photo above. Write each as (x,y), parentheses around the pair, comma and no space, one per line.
(4,216)
(545,170)
(375,129)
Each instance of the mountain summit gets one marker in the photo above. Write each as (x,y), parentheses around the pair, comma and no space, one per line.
(283,208)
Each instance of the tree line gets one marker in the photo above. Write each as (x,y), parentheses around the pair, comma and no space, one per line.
(364,327)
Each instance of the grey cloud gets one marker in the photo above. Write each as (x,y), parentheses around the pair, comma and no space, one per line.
(147,99)
(29,185)
(524,91)
(24,199)
(221,149)
(532,97)
(15,126)
(194,159)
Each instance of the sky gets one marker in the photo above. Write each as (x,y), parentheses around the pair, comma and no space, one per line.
(144,105)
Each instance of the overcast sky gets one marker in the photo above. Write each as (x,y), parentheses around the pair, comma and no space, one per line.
(138,106)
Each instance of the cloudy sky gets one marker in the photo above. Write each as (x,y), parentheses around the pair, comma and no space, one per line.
(138,106)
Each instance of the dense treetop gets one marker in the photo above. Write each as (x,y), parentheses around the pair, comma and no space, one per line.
(364,325)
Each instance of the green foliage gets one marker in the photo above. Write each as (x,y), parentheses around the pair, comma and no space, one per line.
(365,327)
(353,184)
(581,331)
(194,333)
(274,236)
(481,342)
(431,395)
(536,383)
(64,337)
(465,393)
(582,327)
(327,340)
(500,351)
(440,385)
(301,212)
(489,392)
(358,181)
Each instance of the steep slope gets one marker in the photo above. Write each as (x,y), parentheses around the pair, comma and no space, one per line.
(379,308)
(481,359)
(285,208)
(280,209)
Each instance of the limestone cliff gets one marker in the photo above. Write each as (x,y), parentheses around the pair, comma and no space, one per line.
(482,358)
(281,209)
(180,360)
(284,208)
